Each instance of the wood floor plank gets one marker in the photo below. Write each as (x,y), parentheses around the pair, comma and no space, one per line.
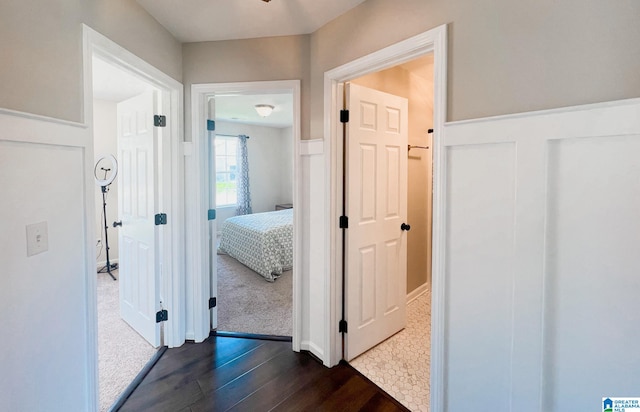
(230,394)
(195,359)
(286,384)
(164,399)
(237,374)
(214,379)
(316,391)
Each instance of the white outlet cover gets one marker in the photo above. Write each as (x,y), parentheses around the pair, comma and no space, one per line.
(37,238)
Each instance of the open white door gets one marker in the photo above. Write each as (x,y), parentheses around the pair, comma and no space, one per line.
(139,276)
(376,202)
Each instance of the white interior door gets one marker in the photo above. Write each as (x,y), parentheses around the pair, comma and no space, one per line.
(376,253)
(139,275)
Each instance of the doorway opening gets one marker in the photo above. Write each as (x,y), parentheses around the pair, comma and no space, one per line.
(433,41)
(149,255)
(400,363)
(122,351)
(254,231)
(251,244)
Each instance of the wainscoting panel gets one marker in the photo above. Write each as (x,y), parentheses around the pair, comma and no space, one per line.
(480,231)
(542,292)
(48,348)
(592,296)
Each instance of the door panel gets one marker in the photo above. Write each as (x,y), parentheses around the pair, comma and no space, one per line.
(139,276)
(377,139)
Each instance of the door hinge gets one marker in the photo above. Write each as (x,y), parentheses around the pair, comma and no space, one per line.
(159,120)
(344,222)
(211,124)
(162,316)
(161,219)
(342,326)
(213,302)
(344,116)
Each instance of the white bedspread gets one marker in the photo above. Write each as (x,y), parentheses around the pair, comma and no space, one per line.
(260,241)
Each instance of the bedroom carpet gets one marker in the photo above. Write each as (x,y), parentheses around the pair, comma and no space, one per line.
(122,353)
(248,303)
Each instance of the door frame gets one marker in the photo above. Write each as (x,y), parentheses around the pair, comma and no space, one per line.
(198,223)
(171,263)
(432,41)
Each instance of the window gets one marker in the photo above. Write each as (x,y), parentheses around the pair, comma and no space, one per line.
(226,171)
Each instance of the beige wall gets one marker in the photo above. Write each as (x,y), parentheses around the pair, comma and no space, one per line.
(272,58)
(41,43)
(414,81)
(504,56)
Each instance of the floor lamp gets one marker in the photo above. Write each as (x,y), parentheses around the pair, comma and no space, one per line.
(110,173)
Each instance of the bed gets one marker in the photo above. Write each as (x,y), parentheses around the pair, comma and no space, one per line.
(260,241)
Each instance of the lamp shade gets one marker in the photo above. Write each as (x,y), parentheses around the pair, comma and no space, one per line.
(264,110)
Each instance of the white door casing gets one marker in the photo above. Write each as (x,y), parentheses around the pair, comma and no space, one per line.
(137,181)
(213,225)
(376,202)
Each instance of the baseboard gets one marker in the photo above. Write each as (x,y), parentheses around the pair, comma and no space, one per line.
(311,347)
(417,292)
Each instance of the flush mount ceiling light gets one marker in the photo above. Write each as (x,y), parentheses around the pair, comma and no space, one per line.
(264,110)
(266,1)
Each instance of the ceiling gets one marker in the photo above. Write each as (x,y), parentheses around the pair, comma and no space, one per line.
(211,20)
(240,109)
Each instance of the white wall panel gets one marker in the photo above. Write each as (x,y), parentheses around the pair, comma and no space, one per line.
(592,299)
(541,259)
(479,280)
(313,255)
(44,352)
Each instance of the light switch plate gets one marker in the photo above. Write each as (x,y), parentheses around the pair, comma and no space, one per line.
(37,238)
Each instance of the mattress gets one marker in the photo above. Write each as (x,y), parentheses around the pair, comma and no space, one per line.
(260,241)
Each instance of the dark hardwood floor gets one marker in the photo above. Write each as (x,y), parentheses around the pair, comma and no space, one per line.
(238,374)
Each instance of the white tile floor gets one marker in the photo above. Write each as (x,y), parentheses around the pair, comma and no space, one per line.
(400,365)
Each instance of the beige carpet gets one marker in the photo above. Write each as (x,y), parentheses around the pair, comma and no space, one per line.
(122,353)
(248,303)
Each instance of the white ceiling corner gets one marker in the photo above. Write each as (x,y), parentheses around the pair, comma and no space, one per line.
(212,20)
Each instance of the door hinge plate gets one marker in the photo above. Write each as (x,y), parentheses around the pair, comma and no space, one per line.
(213,302)
(342,326)
(344,116)
(162,316)
(161,219)
(159,120)
(344,222)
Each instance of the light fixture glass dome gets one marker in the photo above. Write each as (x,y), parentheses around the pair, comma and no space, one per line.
(264,110)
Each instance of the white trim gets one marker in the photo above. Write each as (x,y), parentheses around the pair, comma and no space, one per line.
(417,292)
(311,147)
(41,118)
(312,347)
(434,40)
(197,225)
(545,112)
(95,44)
